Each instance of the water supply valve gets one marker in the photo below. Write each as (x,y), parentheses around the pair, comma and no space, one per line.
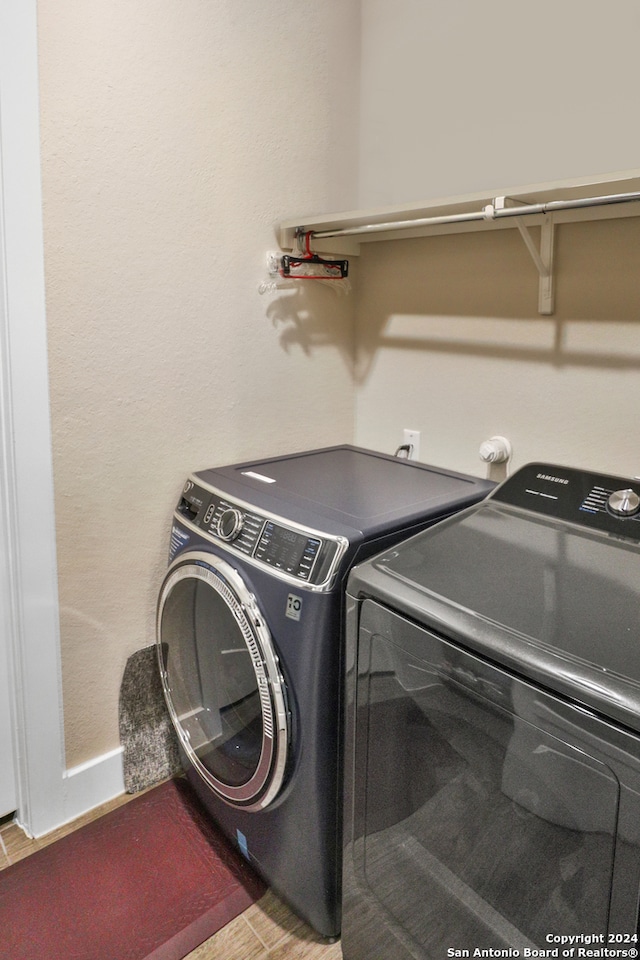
(495,450)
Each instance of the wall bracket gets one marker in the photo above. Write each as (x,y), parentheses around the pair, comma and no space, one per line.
(543,259)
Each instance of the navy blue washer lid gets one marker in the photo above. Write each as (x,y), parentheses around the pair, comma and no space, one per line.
(362,489)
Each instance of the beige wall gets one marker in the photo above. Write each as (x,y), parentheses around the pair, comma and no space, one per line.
(451,344)
(462,97)
(174,135)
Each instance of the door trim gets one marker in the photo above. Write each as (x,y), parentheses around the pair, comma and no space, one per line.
(26,469)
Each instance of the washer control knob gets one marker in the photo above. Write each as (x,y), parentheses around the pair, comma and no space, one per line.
(230,523)
(624,502)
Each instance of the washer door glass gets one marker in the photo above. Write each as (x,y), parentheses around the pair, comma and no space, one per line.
(222,680)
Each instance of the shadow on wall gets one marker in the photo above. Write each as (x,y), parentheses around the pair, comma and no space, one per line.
(477,294)
(313,315)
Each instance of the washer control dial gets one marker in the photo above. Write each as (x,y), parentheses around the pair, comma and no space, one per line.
(230,523)
(624,503)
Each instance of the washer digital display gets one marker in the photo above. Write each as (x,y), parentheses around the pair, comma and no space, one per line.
(288,550)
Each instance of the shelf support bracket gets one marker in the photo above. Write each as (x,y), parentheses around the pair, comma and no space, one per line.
(543,259)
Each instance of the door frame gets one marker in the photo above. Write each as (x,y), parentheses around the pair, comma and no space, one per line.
(25,456)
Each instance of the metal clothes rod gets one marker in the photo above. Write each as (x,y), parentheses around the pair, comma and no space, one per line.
(490,212)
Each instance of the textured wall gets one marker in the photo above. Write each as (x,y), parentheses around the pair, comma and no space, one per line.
(464,97)
(174,134)
(451,344)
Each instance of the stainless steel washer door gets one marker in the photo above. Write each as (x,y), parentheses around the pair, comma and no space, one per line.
(222,680)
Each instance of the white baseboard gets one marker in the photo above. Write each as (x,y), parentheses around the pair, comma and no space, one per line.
(90,784)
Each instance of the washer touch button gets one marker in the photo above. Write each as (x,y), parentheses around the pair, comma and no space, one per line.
(624,503)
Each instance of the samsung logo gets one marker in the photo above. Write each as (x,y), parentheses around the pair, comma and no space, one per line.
(545,476)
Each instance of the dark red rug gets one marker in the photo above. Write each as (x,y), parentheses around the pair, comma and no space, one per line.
(149,881)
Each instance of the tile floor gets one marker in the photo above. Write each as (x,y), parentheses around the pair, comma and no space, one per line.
(268,930)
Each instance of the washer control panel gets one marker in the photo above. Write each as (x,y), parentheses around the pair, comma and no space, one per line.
(269,541)
(606,503)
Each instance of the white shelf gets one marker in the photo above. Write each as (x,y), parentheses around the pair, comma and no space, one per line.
(605,197)
(606,185)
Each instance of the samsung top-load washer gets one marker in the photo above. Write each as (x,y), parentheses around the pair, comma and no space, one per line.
(492,760)
(250,643)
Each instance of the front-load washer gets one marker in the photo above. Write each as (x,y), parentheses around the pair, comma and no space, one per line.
(492,760)
(250,643)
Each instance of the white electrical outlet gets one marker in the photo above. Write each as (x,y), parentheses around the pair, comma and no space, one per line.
(411,439)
